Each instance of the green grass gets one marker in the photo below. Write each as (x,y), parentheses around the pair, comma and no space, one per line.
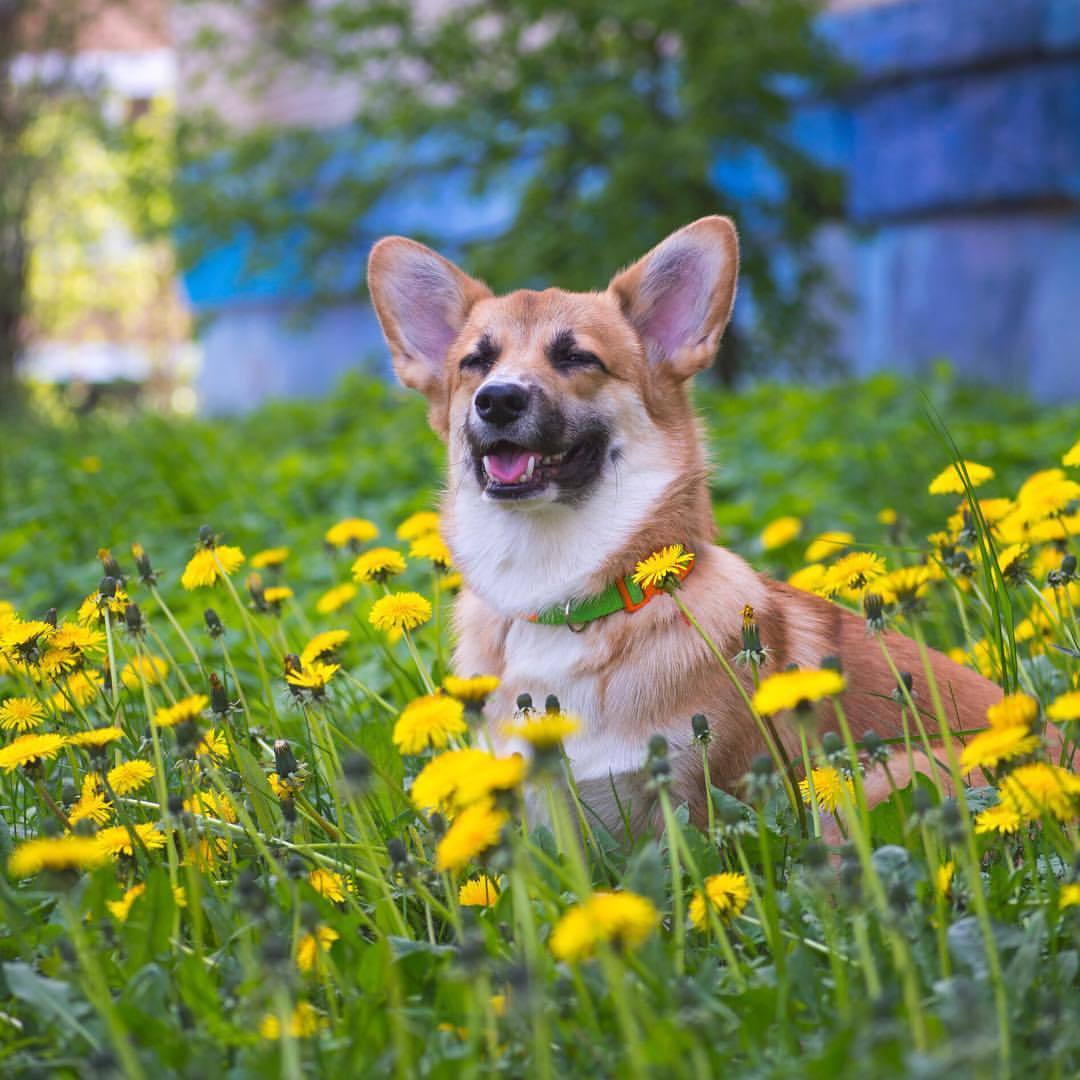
(845,963)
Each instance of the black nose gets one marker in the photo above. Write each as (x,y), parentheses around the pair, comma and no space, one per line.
(500,404)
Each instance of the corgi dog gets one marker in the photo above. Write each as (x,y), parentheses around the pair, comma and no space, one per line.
(574,452)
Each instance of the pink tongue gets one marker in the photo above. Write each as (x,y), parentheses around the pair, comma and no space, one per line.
(508,468)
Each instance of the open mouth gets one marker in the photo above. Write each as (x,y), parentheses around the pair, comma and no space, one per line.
(507,470)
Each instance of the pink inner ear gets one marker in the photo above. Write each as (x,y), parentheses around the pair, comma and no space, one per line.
(676,292)
(427,303)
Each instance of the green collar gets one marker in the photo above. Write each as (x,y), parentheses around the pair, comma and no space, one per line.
(622,595)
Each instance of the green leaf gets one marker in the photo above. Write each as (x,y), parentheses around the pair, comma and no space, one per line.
(51,998)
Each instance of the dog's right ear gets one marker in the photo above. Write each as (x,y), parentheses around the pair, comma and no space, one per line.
(422,301)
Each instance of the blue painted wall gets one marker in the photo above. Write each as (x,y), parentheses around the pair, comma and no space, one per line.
(961,145)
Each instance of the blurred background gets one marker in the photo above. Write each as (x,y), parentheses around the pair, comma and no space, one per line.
(188,190)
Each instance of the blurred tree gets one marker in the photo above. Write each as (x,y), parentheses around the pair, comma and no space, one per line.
(610,122)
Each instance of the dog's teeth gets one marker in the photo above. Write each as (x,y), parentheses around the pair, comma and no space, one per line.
(487,466)
(529,468)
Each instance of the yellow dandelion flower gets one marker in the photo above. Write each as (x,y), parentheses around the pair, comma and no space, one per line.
(418,524)
(479,891)
(287,788)
(122,908)
(378,564)
(828,544)
(213,744)
(950,482)
(663,566)
(1072,456)
(92,804)
(472,691)
(185,710)
(21,714)
(429,721)
(312,945)
(809,578)
(828,783)
(96,738)
(476,829)
(129,776)
(139,669)
(1070,894)
(116,840)
(887,516)
(92,610)
(211,804)
(851,573)
(1046,493)
(436,786)
(75,638)
(30,748)
(55,853)
(621,919)
(903,585)
(454,580)
(328,884)
(1064,708)
(303,1024)
(276,595)
(399,611)
(351,531)
(490,775)
(997,744)
(727,894)
(433,548)
(322,646)
(1040,789)
(314,677)
(943,878)
(780,532)
(20,636)
(208,564)
(999,819)
(1013,710)
(544,731)
(269,557)
(335,599)
(792,689)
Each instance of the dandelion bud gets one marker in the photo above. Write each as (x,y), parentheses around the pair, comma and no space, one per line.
(952,824)
(660,769)
(874,610)
(876,748)
(700,725)
(175,805)
(288,810)
(357,770)
(1064,574)
(107,588)
(213,623)
(219,699)
(284,759)
(257,593)
(438,825)
(395,848)
(291,663)
(904,688)
(249,891)
(815,856)
(524,701)
(296,867)
(897,895)
(551,704)
(133,619)
(658,747)
(142,564)
(110,565)
(206,536)
(50,617)
(752,651)
(275,949)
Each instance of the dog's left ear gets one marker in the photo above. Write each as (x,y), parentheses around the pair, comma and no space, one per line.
(679,296)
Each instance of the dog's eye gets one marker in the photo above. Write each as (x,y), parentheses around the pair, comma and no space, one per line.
(577,359)
(482,358)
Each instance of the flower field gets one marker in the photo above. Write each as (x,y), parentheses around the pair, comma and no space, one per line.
(251,824)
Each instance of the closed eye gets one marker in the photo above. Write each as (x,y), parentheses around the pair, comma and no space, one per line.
(482,358)
(566,355)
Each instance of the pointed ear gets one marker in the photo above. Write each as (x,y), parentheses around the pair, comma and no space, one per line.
(679,296)
(422,301)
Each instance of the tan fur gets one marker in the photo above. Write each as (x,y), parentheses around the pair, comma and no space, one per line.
(648,671)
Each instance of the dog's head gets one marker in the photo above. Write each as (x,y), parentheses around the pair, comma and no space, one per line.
(542,394)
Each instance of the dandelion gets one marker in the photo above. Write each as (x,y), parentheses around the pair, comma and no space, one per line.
(312,945)
(436,786)
(96,738)
(351,532)
(1013,710)
(904,586)
(213,744)
(943,879)
(1070,894)
(139,669)
(476,829)
(887,516)
(186,710)
(997,744)
(92,804)
(79,690)
(489,776)
(1064,708)
(727,894)
(780,532)
(950,481)
(544,731)
(663,567)
(621,919)
(303,1023)
(479,891)
(1071,457)
(211,804)
(129,776)
(998,819)
(796,689)
(851,573)
(122,908)
(399,611)
(269,558)
(1045,494)
(276,595)
(1039,789)
(329,885)
(30,749)
(323,645)
(116,840)
(208,564)
(432,547)
(809,578)
(828,783)
(828,544)
(418,524)
(21,714)
(1012,562)
(471,692)
(55,853)
(335,599)
(429,721)
(314,678)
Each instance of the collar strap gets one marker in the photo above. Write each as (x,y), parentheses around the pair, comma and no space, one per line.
(622,595)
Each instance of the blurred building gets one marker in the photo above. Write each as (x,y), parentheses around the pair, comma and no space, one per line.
(961,147)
